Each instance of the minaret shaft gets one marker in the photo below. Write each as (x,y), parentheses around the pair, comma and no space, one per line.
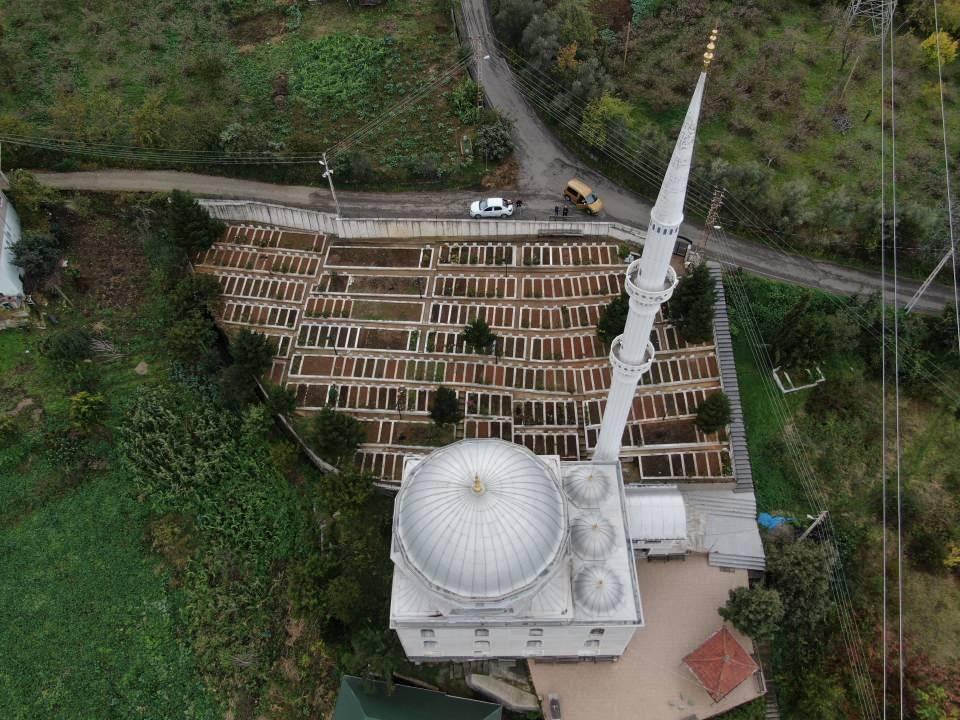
(649,283)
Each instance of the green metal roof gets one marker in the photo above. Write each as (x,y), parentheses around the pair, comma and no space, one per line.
(371,700)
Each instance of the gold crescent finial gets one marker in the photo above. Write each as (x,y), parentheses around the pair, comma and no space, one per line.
(711,46)
(477,485)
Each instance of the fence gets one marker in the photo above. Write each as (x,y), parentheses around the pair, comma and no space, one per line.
(371,228)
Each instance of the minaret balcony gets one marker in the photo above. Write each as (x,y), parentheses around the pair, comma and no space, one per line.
(625,366)
(645,296)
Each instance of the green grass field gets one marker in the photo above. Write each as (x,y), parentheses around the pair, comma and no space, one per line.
(89,618)
(241,77)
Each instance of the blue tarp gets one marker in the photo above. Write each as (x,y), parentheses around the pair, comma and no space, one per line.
(768,521)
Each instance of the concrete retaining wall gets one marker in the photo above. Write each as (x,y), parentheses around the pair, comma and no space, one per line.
(370,228)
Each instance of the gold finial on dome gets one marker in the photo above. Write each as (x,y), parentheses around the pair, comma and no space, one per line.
(711,46)
(477,485)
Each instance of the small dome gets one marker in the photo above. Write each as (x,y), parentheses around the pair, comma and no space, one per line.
(481,520)
(587,486)
(597,589)
(592,536)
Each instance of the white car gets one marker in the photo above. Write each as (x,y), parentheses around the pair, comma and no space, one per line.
(491,208)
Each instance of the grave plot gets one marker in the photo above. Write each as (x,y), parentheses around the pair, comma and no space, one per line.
(509,347)
(386,285)
(487,404)
(372,398)
(235,258)
(323,335)
(465,286)
(535,413)
(332,282)
(383,464)
(710,465)
(560,317)
(573,286)
(405,432)
(265,237)
(272,316)
(566,445)
(426,370)
(563,348)
(261,288)
(328,307)
(475,254)
(386,311)
(502,429)
(365,256)
(496,316)
(686,369)
(652,406)
(286,262)
(570,254)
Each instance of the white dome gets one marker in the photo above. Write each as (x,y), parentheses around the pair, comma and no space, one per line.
(481,520)
(597,589)
(587,486)
(592,536)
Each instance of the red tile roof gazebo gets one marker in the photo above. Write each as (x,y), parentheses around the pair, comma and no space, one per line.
(720,664)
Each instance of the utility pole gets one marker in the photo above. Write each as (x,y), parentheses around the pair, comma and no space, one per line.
(328,174)
(713,215)
(626,43)
(816,521)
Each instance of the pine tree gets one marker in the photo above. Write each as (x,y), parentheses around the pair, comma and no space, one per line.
(478,337)
(713,413)
(445,409)
(189,226)
(613,319)
(691,307)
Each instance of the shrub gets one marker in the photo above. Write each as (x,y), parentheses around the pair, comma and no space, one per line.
(87,410)
(31,198)
(927,550)
(445,409)
(280,400)
(493,141)
(36,253)
(713,414)
(353,166)
(464,100)
(940,43)
(67,347)
(800,573)
(755,611)
(336,435)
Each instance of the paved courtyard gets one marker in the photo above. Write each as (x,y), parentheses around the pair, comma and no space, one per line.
(650,682)
(373,327)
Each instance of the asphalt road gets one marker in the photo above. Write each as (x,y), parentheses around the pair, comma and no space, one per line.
(751,256)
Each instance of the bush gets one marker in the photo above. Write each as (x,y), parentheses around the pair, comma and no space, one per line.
(939,43)
(927,550)
(87,410)
(493,141)
(445,409)
(32,200)
(755,611)
(67,347)
(192,340)
(36,253)
(251,351)
(336,435)
(464,100)
(353,166)
(713,414)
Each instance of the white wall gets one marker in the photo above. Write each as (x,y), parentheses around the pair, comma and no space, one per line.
(10,284)
(556,641)
(301,219)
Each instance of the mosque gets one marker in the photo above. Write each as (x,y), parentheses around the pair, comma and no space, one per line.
(501,553)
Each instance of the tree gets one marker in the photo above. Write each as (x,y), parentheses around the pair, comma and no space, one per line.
(37,253)
(280,400)
(87,410)
(192,295)
(613,319)
(445,409)
(478,337)
(67,347)
(941,43)
(189,225)
(493,140)
(800,573)
(336,435)
(691,307)
(251,351)
(755,611)
(804,338)
(600,116)
(713,413)
(191,341)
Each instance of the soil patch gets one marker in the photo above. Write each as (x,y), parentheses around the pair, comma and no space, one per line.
(668,433)
(382,339)
(258,28)
(373,310)
(390,284)
(373,257)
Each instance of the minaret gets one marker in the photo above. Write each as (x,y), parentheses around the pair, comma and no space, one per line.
(650,281)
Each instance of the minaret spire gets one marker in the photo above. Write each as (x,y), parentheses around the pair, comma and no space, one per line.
(650,280)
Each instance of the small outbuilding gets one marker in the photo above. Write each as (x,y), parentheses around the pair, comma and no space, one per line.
(11,287)
(361,699)
(721,664)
